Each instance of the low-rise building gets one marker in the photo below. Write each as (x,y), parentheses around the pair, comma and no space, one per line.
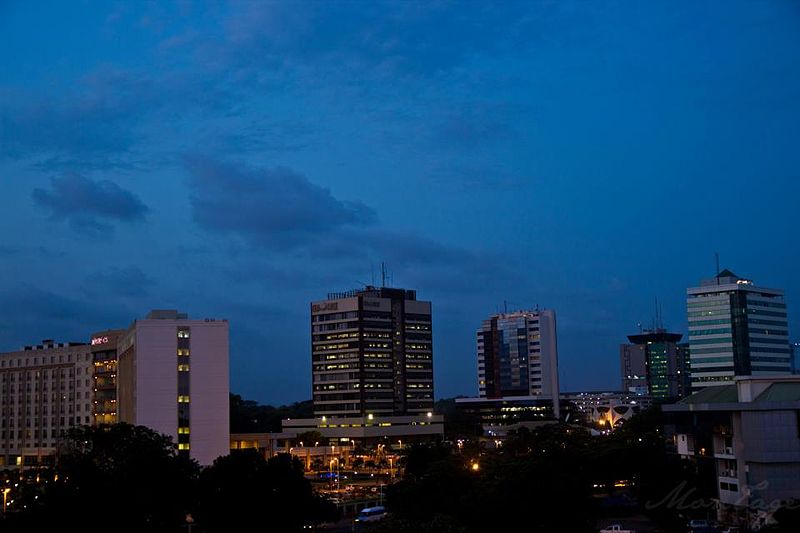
(370,430)
(747,434)
(607,408)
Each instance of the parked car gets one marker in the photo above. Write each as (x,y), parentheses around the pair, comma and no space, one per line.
(616,528)
(371,514)
(698,526)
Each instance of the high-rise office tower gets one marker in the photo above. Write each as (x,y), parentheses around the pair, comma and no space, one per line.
(372,354)
(518,355)
(633,368)
(172,376)
(736,329)
(655,363)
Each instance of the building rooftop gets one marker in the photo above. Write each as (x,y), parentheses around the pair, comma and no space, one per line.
(780,392)
(658,335)
(166,314)
(721,394)
(747,393)
(376,292)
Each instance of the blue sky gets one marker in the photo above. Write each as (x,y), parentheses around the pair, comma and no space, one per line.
(238,160)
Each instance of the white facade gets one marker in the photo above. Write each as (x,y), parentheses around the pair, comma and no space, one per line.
(518,355)
(173,378)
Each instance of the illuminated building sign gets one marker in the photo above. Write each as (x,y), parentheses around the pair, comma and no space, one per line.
(99,340)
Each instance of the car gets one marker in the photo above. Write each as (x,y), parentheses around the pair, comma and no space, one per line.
(698,526)
(616,528)
(371,514)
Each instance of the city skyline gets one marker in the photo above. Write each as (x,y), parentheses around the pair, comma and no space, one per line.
(584,160)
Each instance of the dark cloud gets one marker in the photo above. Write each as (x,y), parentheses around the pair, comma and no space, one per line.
(90,205)
(94,122)
(120,281)
(275,207)
(30,314)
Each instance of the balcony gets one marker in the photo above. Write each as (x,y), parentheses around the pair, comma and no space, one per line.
(724,452)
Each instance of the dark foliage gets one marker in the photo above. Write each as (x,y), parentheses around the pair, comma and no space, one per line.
(248,416)
(119,477)
(245,492)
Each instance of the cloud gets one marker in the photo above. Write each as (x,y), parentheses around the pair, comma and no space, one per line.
(29,314)
(275,207)
(120,281)
(279,210)
(89,205)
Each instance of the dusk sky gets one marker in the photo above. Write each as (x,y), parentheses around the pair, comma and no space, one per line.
(239,160)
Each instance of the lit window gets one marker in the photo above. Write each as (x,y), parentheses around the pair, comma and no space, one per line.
(183,399)
(183,333)
(183,446)
(183,431)
(183,368)
(183,351)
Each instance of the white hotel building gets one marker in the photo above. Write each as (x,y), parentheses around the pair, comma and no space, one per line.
(736,329)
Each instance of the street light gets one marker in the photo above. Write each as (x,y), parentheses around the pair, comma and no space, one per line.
(6,490)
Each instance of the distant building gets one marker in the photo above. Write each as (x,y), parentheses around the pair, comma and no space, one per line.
(743,438)
(498,416)
(371,429)
(796,358)
(518,356)
(736,329)
(633,368)
(657,363)
(172,376)
(372,354)
(610,409)
(517,373)
(45,390)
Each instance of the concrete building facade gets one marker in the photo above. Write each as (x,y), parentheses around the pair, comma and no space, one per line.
(172,376)
(372,354)
(45,390)
(745,435)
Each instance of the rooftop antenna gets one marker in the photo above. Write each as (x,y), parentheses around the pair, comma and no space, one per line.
(383,274)
(716,255)
(505,306)
(372,273)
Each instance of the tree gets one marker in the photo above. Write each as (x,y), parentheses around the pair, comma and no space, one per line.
(243,491)
(118,477)
(248,416)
